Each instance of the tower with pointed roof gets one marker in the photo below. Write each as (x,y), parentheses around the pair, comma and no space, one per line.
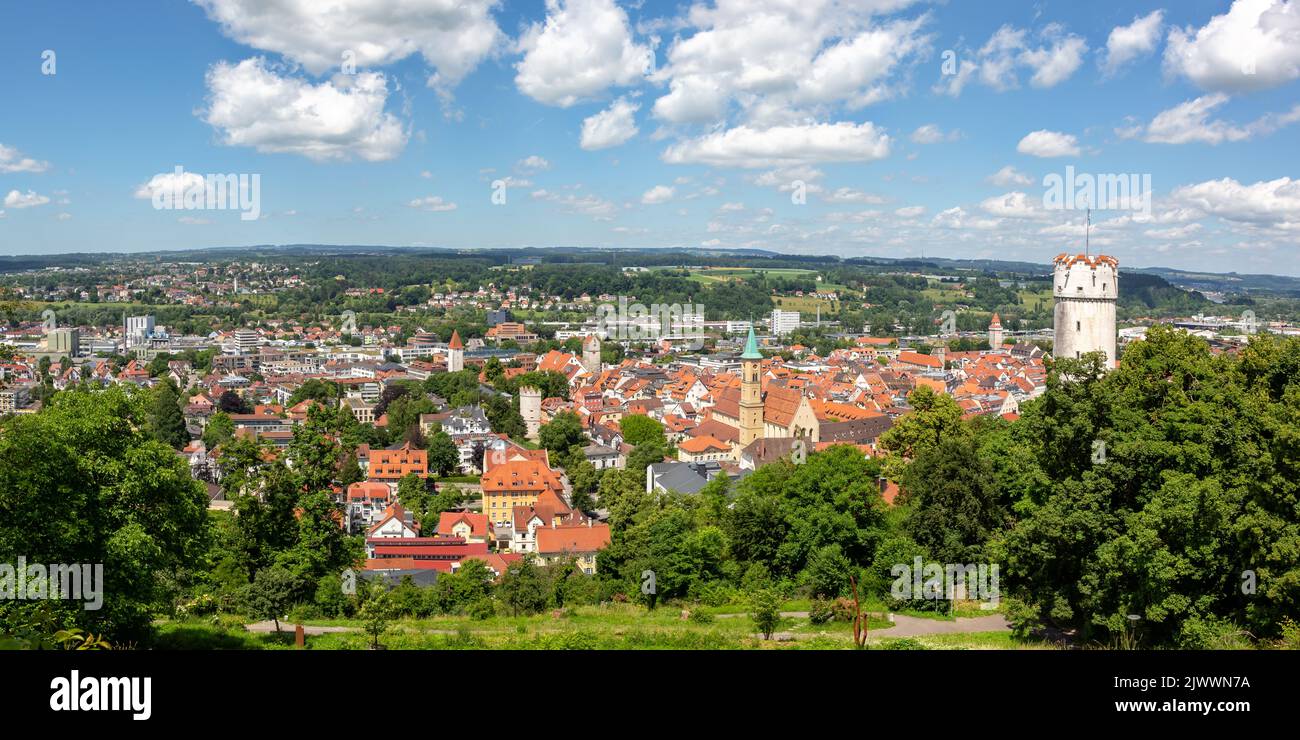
(591,354)
(995,333)
(751,392)
(455,353)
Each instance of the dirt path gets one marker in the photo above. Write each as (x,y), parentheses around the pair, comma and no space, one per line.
(905,626)
(287,628)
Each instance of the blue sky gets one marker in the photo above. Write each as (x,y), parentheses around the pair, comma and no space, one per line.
(658,124)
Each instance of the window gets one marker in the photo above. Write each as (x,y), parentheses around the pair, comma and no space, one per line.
(1078,326)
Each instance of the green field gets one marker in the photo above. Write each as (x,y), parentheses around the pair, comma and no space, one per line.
(604,627)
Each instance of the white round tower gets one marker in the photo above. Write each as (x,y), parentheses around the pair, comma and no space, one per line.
(591,354)
(530,407)
(1086,289)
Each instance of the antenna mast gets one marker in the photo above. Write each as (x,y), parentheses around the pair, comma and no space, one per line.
(1087,233)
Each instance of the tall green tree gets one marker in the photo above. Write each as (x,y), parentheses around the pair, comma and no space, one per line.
(563,431)
(953,507)
(82,482)
(444,458)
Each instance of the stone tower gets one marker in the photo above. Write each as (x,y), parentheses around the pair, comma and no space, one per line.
(455,353)
(751,393)
(530,407)
(591,354)
(1086,289)
(995,333)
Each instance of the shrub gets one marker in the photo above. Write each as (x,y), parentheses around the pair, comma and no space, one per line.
(821,611)
(903,643)
(766,605)
(701,617)
(1290,635)
(482,609)
(842,610)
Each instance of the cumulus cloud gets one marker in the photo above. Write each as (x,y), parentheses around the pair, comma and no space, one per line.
(593,206)
(1190,122)
(1173,232)
(1009,177)
(932,134)
(910,211)
(453,37)
(957,218)
(29,199)
(1272,203)
(166,184)
(1255,45)
(1010,51)
(775,60)
(433,203)
(1127,43)
(657,194)
(1014,205)
(582,48)
(850,195)
(744,146)
(532,163)
(11,161)
(1043,143)
(610,127)
(250,104)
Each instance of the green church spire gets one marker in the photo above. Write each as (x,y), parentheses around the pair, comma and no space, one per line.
(751,347)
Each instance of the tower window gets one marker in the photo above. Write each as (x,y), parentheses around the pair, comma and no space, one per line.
(1078,326)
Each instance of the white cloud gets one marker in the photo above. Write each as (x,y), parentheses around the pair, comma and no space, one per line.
(584,205)
(1275,203)
(426,174)
(849,195)
(11,160)
(169,183)
(1255,45)
(1127,43)
(1173,232)
(1043,143)
(193,221)
(731,207)
(433,203)
(610,127)
(999,62)
(64,216)
(778,146)
(583,47)
(453,37)
(532,163)
(1189,122)
(776,59)
(957,218)
(1009,177)
(16,199)
(1055,64)
(910,211)
(657,194)
(932,134)
(251,105)
(1013,205)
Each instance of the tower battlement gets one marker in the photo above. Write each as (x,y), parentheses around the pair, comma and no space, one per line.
(1093,277)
